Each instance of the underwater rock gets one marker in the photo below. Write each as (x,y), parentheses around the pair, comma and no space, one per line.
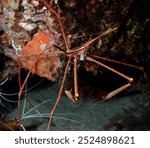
(21,20)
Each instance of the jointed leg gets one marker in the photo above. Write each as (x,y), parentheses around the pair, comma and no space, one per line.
(118,90)
(109,68)
(59,94)
(19,72)
(76,93)
(60,23)
(25,81)
(86,45)
(122,63)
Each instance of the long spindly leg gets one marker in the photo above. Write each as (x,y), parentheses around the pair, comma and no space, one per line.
(122,63)
(74,97)
(86,45)
(118,90)
(26,79)
(19,72)
(59,94)
(76,93)
(59,21)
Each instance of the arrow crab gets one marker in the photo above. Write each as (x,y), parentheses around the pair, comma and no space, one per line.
(76,55)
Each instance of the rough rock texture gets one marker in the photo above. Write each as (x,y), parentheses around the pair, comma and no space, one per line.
(21,20)
(27,29)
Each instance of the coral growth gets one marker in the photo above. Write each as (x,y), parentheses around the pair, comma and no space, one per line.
(47,65)
(27,29)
